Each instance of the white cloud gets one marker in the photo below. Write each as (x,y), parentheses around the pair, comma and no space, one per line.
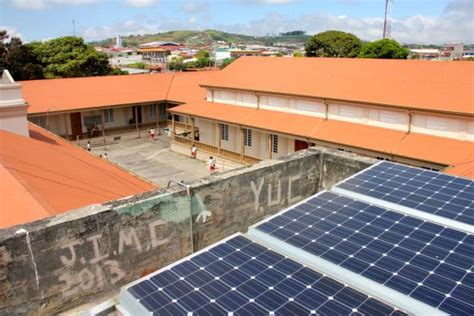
(266,1)
(41,4)
(453,25)
(141,3)
(194,6)
(12,32)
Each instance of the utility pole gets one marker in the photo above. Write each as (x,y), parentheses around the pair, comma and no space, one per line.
(73,28)
(387,25)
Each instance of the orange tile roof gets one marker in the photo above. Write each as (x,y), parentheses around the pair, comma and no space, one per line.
(358,135)
(465,170)
(185,86)
(443,86)
(56,95)
(43,175)
(435,149)
(428,148)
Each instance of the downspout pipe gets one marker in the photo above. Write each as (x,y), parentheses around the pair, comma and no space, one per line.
(188,193)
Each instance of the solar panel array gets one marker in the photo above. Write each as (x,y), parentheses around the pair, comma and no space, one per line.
(428,191)
(244,278)
(425,261)
(369,242)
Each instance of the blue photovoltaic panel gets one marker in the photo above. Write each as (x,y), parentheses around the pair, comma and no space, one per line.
(425,261)
(245,278)
(428,191)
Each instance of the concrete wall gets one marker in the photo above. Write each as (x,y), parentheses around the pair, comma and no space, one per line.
(58,263)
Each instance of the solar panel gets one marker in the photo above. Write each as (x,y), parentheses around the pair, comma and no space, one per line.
(241,277)
(427,191)
(425,261)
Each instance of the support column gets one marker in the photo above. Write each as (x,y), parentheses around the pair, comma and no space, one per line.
(65,125)
(102,121)
(219,139)
(136,120)
(242,144)
(270,149)
(193,133)
(173,127)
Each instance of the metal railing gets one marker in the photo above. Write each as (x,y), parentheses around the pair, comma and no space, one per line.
(220,152)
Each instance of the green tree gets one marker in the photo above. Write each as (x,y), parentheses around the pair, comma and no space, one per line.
(69,56)
(333,44)
(19,59)
(385,48)
(298,54)
(176,64)
(202,54)
(226,62)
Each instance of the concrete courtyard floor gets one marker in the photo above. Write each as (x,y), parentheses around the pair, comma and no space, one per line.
(154,160)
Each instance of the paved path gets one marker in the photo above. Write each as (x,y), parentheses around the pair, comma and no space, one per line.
(154,160)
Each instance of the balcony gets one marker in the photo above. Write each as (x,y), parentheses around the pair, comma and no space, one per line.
(216,151)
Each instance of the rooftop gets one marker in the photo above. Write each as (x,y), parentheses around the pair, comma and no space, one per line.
(44,175)
(57,95)
(412,84)
(440,150)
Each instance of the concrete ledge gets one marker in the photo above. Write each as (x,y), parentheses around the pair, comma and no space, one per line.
(64,261)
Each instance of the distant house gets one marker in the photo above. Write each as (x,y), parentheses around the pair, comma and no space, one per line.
(154,55)
(424,53)
(240,53)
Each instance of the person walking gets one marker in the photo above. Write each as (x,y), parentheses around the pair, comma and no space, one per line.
(193,152)
(88,145)
(152,133)
(212,165)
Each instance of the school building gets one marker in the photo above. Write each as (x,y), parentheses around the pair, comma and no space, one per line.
(415,112)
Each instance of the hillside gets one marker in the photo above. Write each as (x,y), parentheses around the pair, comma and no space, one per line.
(206,37)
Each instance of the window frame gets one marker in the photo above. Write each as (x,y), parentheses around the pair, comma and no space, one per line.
(247,137)
(224,131)
(108,116)
(274,147)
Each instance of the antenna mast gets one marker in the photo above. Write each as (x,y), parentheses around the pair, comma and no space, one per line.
(73,28)
(387,25)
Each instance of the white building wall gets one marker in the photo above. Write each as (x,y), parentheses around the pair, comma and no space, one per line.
(385,117)
(206,131)
(388,119)
(256,149)
(443,126)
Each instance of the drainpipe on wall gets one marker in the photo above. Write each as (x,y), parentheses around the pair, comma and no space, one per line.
(258,100)
(327,110)
(188,193)
(410,120)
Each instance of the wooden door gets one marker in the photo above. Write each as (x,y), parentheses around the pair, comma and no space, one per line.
(139,113)
(76,124)
(300,145)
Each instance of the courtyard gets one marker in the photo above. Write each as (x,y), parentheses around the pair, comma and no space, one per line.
(155,161)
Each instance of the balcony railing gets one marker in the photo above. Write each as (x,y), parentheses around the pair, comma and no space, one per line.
(220,152)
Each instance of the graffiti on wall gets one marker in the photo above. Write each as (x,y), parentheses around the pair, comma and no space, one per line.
(274,192)
(82,274)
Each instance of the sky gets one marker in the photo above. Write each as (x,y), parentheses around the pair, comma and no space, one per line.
(413,21)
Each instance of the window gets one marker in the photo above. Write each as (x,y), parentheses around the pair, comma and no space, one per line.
(224,128)
(437,123)
(39,120)
(388,117)
(248,137)
(163,110)
(152,110)
(108,116)
(274,143)
(348,111)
